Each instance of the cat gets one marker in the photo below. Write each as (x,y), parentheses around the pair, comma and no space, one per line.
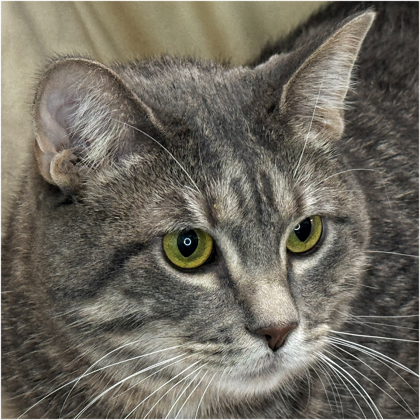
(196,240)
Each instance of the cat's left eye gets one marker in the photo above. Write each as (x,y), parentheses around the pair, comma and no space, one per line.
(188,248)
(305,235)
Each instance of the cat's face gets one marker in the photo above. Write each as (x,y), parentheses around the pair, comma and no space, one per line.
(209,158)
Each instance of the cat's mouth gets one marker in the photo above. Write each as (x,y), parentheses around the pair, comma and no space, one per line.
(262,370)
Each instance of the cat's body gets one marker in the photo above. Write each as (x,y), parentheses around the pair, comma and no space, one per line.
(245,155)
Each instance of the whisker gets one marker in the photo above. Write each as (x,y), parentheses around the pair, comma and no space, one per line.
(74,380)
(122,381)
(310,127)
(374,336)
(340,377)
(384,316)
(336,393)
(153,374)
(204,393)
(309,389)
(352,355)
(393,253)
(113,364)
(372,405)
(164,148)
(219,383)
(349,170)
(172,387)
(380,357)
(376,325)
(183,391)
(369,287)
(323,386)
(46,396)
(154,392)
(384,325)
(191,189)
(199,155)
(192,392)
(353,318)
(320,182)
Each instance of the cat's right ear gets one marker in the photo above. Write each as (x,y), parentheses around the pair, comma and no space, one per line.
(82,116)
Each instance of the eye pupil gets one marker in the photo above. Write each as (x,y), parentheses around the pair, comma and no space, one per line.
(303,229)
(187,243)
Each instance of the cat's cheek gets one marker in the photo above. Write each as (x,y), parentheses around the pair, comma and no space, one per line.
(327,278)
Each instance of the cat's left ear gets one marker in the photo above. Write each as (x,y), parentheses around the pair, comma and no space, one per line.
(84,117)
(313,99)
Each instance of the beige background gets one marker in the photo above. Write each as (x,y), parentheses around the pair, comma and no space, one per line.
(33,31)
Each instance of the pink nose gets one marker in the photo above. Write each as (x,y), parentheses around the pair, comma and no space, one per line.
(276,336)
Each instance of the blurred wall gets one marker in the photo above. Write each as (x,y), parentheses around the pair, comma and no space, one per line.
(33,31)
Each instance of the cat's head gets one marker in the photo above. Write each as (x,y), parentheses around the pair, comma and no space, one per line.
(199,218)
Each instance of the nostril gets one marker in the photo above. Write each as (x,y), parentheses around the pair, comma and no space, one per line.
(276,336)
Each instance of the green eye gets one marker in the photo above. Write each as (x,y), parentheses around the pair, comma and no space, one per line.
(305,235)
(189,248)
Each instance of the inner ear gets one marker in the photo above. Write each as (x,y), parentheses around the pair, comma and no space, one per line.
(55,110)
(82,117)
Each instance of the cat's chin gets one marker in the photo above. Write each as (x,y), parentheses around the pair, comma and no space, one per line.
(267,377)
(246,385)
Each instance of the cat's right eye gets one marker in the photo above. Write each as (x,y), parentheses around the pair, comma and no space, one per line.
(188,248)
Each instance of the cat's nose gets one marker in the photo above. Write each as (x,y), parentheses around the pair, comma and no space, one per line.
(276,336)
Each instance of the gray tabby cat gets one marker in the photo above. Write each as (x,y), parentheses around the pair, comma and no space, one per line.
(194,240)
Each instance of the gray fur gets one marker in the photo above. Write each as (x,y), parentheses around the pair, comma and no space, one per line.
(125,154)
